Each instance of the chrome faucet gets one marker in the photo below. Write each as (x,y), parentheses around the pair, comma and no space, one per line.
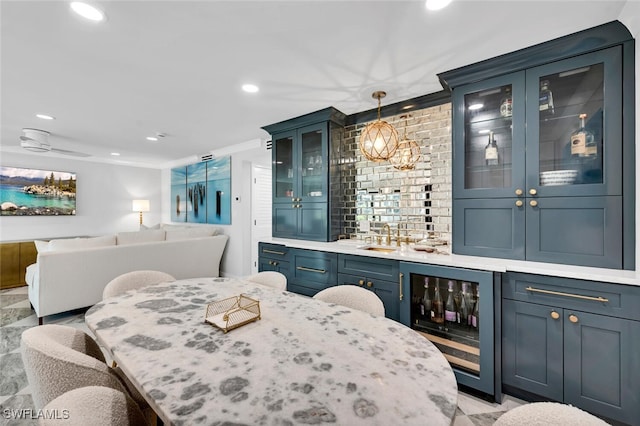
(386,225)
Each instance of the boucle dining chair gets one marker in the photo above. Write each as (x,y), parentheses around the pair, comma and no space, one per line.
(354,297)
(95,405)
(548,414)
(270,278)
(60,358)
(132,280)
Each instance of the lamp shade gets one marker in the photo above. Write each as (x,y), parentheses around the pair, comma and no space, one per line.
(140,205)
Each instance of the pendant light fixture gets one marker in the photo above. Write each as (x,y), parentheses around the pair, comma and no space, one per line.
(378,140)
(408,152)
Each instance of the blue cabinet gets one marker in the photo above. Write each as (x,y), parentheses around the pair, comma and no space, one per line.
(539,153)
(378,275)
(312,271)
(274,257)
(573,341)
(306,180)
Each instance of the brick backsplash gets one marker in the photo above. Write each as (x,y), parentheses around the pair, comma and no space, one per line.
(379,193)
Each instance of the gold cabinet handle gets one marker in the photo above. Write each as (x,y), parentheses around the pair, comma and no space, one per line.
(293,200)
(318,271)
(559,293)
(532,191)
(519,203)
(555,315)
(519,192)
(401,275)
(361,282)
(273,252)
(533,203)
(369,284)
(573,318)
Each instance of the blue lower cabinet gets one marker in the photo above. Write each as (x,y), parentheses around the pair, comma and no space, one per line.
(387,291)
(274,257)
(575,342)
(312,271)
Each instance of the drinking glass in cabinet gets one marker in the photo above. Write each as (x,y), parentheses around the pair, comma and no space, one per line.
(488,138)
(445,311)
(571,126)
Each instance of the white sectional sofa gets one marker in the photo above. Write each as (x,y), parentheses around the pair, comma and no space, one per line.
(72,273)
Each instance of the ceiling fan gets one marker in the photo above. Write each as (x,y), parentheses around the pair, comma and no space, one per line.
(36,140)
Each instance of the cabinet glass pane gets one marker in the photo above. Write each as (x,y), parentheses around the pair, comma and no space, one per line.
(488,137)
(446,312)
(571,112)
(312,164)
(284,167)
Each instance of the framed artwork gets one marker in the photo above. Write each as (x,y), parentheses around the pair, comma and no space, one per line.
(201,192)
(35,192)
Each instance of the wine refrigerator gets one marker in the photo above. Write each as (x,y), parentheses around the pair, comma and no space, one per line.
(454,309)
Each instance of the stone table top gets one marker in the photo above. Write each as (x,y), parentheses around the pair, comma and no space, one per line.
(304,362)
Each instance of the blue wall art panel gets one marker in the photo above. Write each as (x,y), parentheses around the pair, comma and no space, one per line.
(219,191)
(179,194)
(201,192)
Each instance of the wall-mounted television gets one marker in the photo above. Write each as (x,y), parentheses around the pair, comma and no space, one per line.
(35,192)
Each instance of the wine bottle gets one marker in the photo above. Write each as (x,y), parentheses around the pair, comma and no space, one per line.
(426,300)
(475,319)
(450,315)
(546,98)
(583,143)
(491,151)
(437,308)
(463,311)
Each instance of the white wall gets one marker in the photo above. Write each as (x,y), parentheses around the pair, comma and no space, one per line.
(237,257)
(630,16)
(104,195)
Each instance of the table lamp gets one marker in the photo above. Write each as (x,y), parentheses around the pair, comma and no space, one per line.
(140,206)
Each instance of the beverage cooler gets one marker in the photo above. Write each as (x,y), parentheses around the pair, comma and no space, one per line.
(454,309)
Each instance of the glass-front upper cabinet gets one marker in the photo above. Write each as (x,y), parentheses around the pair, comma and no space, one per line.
(489,133)
(576,121)
(283,165)
(313,177)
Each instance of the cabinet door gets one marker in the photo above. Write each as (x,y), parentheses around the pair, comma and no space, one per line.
(285,220)
(312,221)
(601,365)
(387,291)
(284,167)
(532,348)
(488,138)
(575,230)
(313,156)
(562,159)
(489,227)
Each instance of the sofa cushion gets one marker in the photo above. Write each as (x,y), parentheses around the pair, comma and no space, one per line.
(66,244)
(184,234)
(137,237)
(31,275)
(148,228)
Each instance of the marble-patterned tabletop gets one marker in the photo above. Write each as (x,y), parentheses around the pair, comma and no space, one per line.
(304,362)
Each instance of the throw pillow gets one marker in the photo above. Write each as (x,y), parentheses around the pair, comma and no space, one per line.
(137,237)
(184,234)
(41,246)
(67,244)
(147,228)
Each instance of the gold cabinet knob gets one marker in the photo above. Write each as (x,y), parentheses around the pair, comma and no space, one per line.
(555,315)
(533,203)
(293,200)
(519,203)
(361,282)
(369,284)
(532,191)
(519,191)
(573,318)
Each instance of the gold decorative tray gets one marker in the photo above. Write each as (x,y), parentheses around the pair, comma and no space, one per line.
(233,312)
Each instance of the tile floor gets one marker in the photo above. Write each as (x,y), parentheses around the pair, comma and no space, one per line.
(16,316)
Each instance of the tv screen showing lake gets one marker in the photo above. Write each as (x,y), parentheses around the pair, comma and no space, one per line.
(33,192)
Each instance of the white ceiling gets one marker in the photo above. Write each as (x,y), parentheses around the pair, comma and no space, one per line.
(177,66)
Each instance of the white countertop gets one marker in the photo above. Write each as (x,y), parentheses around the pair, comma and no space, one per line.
(408,254)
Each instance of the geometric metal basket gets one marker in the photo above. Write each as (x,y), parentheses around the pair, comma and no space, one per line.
(232,312)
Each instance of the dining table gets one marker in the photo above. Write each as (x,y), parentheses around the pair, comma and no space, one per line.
(302,361)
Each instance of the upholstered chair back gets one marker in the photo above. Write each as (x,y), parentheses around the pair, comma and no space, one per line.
(270,278)
(353,297)
(133,280)
(94,405)
(59,358)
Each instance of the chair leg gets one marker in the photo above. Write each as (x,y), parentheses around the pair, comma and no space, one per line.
(40,320)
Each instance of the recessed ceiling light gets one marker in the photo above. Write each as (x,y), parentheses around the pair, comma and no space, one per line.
(45,116)
(250,88)
(152,139)
(87,11)
(474,107)
(437,4)
(115,154)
